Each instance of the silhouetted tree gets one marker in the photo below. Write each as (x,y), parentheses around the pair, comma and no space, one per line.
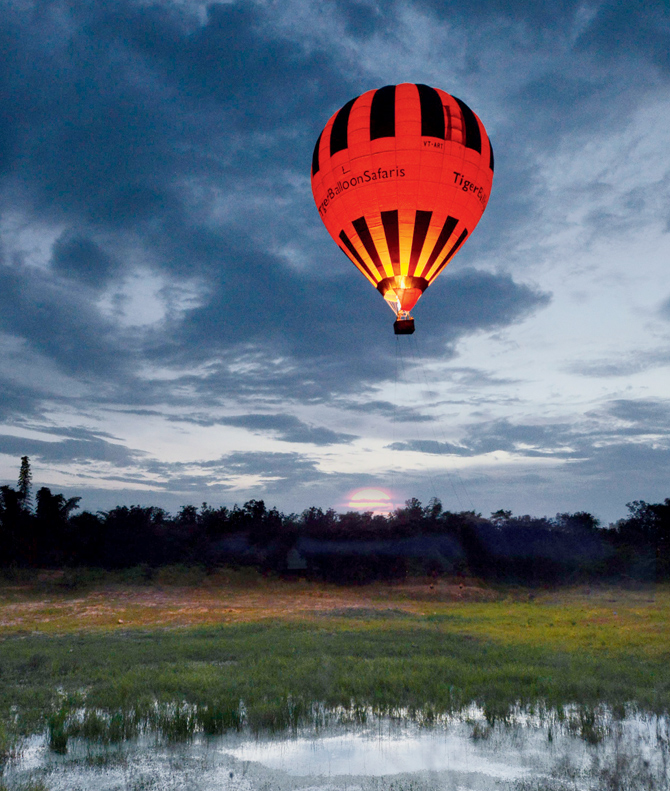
(87,533)
(52,538)
(501,516)
(580,521)
(25,484)
(648,526)
(12,518)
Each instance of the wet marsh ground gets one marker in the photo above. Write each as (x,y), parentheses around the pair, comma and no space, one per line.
(105,658)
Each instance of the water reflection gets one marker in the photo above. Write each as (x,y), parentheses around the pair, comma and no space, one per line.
(551,751)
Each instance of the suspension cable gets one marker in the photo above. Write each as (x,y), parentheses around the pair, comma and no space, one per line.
(419,364)
(421,444)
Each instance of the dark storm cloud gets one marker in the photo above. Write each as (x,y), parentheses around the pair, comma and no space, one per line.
(475,13)
(126,119)
(19,400)
(632,28)
(112,104)
(81,259)
(58,322)
(287,428)
(363,18)
(603,30)
(262,315)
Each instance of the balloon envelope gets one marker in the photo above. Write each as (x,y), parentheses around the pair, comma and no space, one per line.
(401,176)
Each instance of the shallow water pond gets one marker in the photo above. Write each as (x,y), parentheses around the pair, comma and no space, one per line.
(457,753)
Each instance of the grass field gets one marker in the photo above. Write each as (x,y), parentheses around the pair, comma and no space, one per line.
(99,656)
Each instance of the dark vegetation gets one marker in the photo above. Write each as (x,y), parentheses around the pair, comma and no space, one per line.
(343,548)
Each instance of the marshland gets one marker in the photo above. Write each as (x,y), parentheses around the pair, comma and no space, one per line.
(415,648)
(94,658)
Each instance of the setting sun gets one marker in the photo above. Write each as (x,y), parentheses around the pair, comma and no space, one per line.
(376,500)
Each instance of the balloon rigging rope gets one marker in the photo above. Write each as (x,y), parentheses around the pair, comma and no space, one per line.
(439,445)
(394,451)
(419,440)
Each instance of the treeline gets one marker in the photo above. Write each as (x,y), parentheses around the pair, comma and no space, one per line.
(350,547)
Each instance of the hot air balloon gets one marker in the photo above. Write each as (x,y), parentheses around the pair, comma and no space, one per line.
(400,176)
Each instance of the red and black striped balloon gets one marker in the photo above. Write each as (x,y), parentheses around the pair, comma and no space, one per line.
(401,175)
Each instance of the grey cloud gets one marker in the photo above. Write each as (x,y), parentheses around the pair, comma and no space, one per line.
(270,464)
(508,436)
(70,450)
(74,432)
(386,409)
(288,428)
(648,415)
(624,365)
(575,441)
(431,446)
(472,377)
(634,460)
(471,300)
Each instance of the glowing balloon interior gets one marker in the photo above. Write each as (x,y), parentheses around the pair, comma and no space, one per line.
(401,176)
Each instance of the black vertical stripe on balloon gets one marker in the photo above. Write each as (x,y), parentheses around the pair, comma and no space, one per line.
(315,156)
(382,113)
(421,223)
(432,112)
(447,229)
(473,138)
(339,129)
(368,242)
(392,232)
(491,158)
(450,254)
(355,254)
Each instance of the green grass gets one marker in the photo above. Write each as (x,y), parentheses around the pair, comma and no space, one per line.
(275,673)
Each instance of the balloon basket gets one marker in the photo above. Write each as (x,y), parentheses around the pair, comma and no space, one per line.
(403,327)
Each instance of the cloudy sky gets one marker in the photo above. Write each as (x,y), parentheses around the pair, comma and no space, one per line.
(177,326)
